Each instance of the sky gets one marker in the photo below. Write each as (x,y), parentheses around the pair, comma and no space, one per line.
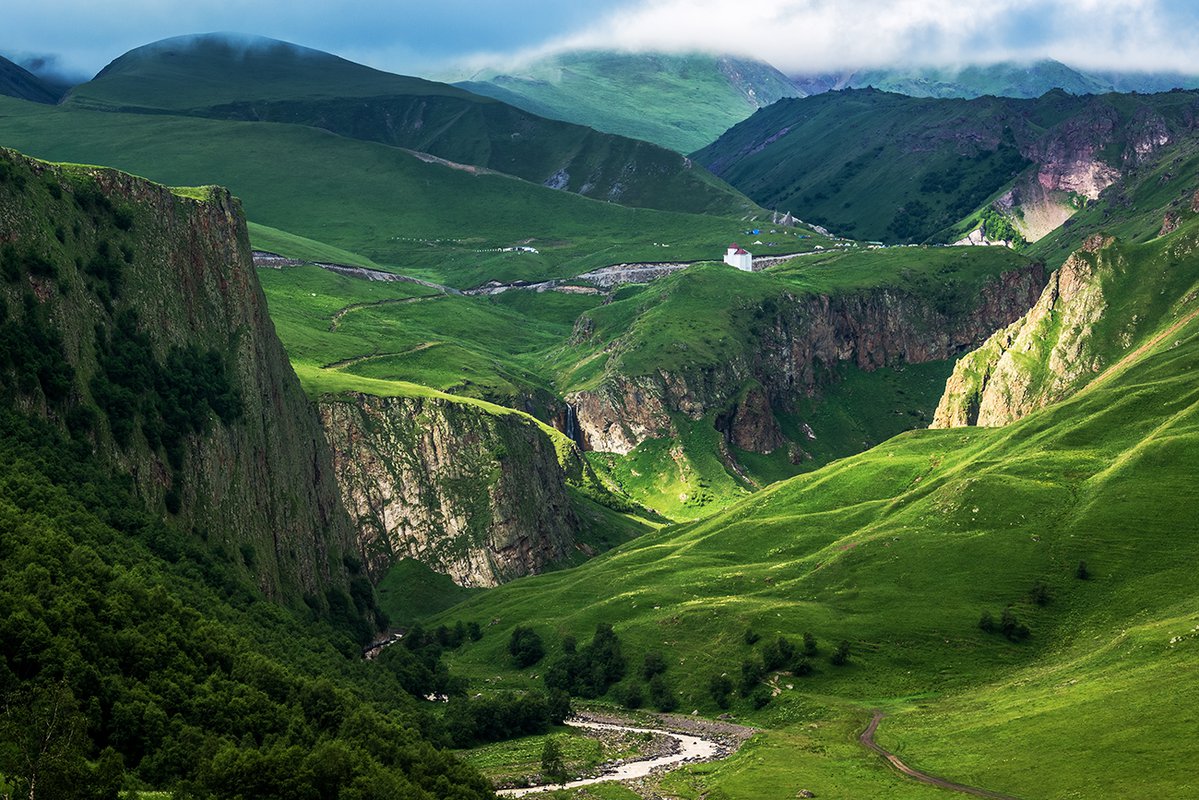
(79,37)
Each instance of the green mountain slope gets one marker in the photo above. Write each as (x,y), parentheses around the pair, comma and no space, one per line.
(879,165)
(15,81)
(183,608)
(682,102)
(264,80)
(1003,79)
(408,213)
(900,550)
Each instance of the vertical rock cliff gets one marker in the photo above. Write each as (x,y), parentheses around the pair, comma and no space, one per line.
(157,348)
(478,494)
(799,341)
(1037,360)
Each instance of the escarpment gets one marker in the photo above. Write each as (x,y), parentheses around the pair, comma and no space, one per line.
(475,494)
(137,324)
(798,343)
(1039,359)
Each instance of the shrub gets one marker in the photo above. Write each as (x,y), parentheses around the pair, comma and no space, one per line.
(809,645)
(553,769)
(721,689)
(525,647)
(752,671)
(760,697)
(1082,573)
(840,656)
(1012,628)
(629,694)
(751,637)
(661,695)
(654,664)
(778,653)
(986,622)
(1039,593)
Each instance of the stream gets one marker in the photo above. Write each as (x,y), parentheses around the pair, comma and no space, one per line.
(691,748)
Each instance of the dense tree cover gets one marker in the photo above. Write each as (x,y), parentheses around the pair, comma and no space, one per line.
(591,670)
(504,716)
(525,647)
(133,654)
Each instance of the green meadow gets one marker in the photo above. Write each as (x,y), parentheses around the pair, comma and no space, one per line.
(900,550)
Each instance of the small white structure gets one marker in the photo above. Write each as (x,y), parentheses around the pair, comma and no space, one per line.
(739,258)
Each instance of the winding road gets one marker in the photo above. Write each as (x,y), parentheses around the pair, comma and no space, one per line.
(867,740)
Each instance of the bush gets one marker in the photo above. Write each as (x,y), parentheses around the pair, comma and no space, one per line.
(721,689)
(809,645)
(553,769)
(1039,593)
(760,697)
(801,667)
(629,694)
(986,622)
(1012,628)
(778,654)
(525,647)
(752,671)
(661,695)
(751,637)
(840,656)
(1082,573)
(654,664)
(591,670)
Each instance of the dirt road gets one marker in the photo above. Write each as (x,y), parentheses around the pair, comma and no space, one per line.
(867,739)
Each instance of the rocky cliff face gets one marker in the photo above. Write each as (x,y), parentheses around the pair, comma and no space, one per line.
(1039,359)
(798,345)
(475,494)
(168,364)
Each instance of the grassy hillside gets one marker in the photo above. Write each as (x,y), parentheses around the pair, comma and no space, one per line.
(263,80)
(899,551)
(883,166)
(16,81)
(524,350)
(1003,79)
(372,199)
(682,102)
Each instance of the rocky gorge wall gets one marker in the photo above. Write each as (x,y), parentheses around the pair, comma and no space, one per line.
(475,494)
(1039,359)
(170,366)
(797,347)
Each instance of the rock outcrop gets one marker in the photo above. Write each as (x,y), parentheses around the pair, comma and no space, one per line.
(1037,360)
(173,371)
(799,344)
(477,494)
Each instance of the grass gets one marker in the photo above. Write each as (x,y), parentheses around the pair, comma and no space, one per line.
(900,549)
(410,591)
(875,165)
(678,101)
(374,200)
(262,80)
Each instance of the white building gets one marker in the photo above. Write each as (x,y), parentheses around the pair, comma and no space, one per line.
(739,258)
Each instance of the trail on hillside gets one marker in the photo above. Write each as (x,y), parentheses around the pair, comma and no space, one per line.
(867,740)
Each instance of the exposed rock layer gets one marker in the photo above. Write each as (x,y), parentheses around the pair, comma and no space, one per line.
(479,496)
(259,486)
(798,346)
(1037,360)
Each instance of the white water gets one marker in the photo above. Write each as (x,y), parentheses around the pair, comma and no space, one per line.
(690,748)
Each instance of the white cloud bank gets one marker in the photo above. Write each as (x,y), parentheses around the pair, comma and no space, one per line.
(815,35)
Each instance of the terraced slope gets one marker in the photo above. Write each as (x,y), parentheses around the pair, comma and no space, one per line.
(682,102)
(899,551)
(265,80)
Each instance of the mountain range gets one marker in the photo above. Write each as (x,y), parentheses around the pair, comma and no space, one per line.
(444,420)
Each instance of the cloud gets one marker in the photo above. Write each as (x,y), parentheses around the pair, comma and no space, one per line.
(795,35)
(816,35)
